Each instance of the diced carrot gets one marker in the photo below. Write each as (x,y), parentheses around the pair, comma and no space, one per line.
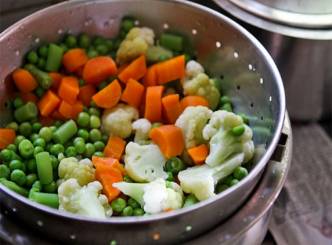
(29,97)
(171,69)
(69,89)
(153,108)
(107,180)
(169,138)
(193,100)
(98,69)
(70,111)
(74,59)
(86,93)
(107,163)
(56,79)
(115,147)
(171,107)
(199,153)
(133,93)
(24,81)
(48,103)
(150,78)
(108,96)
(7,136)
(135,70)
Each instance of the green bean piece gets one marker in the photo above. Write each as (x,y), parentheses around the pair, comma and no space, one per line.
(54,57)
(43,79)
(95,135)
(32,165)
(32,57)
(31,178)
(71,41)
(44,168)
(240,172)
(25,129)
(238,130)
(127,211)
(4,171)
(53,128)
(118,204)
(83,119)
(41,63)
(174,165)
(70,151)
(227,107)
(133,203)
(43,51)
(50,188)
(26,148)
(36,127)
(138,212)
(83,133)
(48,199)
(12,147)
(65,132)
(26,112)
(18,177)
(56,149)
(16,164)
(171,41)
(12,125)
(190,200)
(14,187)
(84,41)
(94,121)
(18,102)
(225,99)
(89,150)
(6,155)
(221,187)
(99,145)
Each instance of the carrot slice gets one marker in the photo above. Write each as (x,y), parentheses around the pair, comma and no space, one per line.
(86,93)
(24,81)
(108,96)
(7,136)
(48,103)
(199,153)
(29,97)
(115,147)
(107,163)
(98,69)
(74,59)
(133,93)
(69,89)
(193,100)
(153,106)
(134,70)
(150,78)
(171,69)
(70,111)
(169,138)
(171,107)
(56,79)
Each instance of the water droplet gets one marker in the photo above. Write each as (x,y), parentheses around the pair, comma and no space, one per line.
(17,53)
(136,22)
(261,80)
(37,40)
(270,98)
(250,67)
(156,236)
(60,31)
(166,26)
(194,31)
(40,223)
(218,44)
(236,55)
(189,228)
(72,237)
(14,210)
(113,242)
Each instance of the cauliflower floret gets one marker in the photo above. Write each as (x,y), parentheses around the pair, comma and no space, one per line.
(144,163)
(223,143)
(84,200)
(117,121)
(142,128)
(135,44)
(192,121)
(154,197)
(201,180)
(83,171)
(203,86)
(193,68)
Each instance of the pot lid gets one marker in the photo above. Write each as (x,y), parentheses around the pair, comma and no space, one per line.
(316,14)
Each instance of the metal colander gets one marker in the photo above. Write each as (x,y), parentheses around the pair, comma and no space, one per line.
(225,49)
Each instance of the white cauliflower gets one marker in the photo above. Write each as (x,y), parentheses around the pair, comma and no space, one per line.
(135,44)
(192,121)
(201,180)
(85,200)
(142,128)
(193,68)
(83,170)
(144,163)
(154,197)
(118,120)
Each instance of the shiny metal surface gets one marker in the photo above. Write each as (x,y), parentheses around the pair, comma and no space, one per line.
(292,14)
(225,48)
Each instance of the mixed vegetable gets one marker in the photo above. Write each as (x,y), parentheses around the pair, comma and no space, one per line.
(125,126)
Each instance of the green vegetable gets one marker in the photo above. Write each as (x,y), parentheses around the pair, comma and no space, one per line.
(56,149)
(126,178)
(41,63)
(31,178)
(39,92)
(83,133)
(170,176)
(26,148)
(18,102)
(39,142)
(16,164)
(127,24)
(99,145)
(25,129)
(44,168)
(6,155)
(102,49)
(227,107)
(4,171)
(55,162)
(84,41)
(37,150)
(14,187)
(98,154)
(12,125)
(245,118)
(18,139)
(71,41)
(18,177)
(43,51)
(36,127)
(54,57)
(94,121)
(50,188)
(154,54)
(138,212)
(32,57)
(234,182)
(43,79)
(12,147)
(26,112)
(92,53)
(221,188)
(127,211)
(172,41)
(94,111)
(48,199)
(95,135)
(238,130)
(83,119)
(89,150)
(190,200)
(70,151)
(79,147)
(133,203)
(32,166)
(240,173)
(65,132)
(118,204)
(224,100)
(46,133)
(101,86)
(174,165)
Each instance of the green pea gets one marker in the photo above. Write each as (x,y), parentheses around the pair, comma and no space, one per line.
(98,154)
(39,92)
(46,133)
(84,41)
(190,200)
(55,162)
(95,135)
(18,139)
(238,130)
(98,41)
(234,182)
(32,57)
(104,138)
(102,49)
(127,211)
(78,139)
(83,119)
(94,121)
(25,129)
(92,53)
(89,149)
(70,151)
(240,172)
(41,63)
(56,149)
(94,111)
(109,44)
(16,164)
(224,100)
(37,150)
(138,212)
(34,137)
(170,176)
(133,203)
(39,142)
(26,148)
(83,133)
(4,171)
(36,127)
(227,180)
(118,204)
(12,147)
(221,187)
(127,24)
(18,176)
(6,155)
(50,188)
(99,145)
(126,178)
(227,107)
(31,165)
(18,102)
(79,147)
(174,165)
(71,41)
(12,125)
(43,51)
(48,146)
(31,178)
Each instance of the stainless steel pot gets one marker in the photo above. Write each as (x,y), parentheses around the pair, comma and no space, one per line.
(298,35)
(225,48)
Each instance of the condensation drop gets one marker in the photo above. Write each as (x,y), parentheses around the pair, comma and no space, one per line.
(218,44)
(17,52)
(261,80)
(194,31)
(189,228)
(236,55)
(270,98)
(136,22)
(72,237)
(40,223)
(37,40)
(14,210)
(60,31)
(166,26)
(250,67)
